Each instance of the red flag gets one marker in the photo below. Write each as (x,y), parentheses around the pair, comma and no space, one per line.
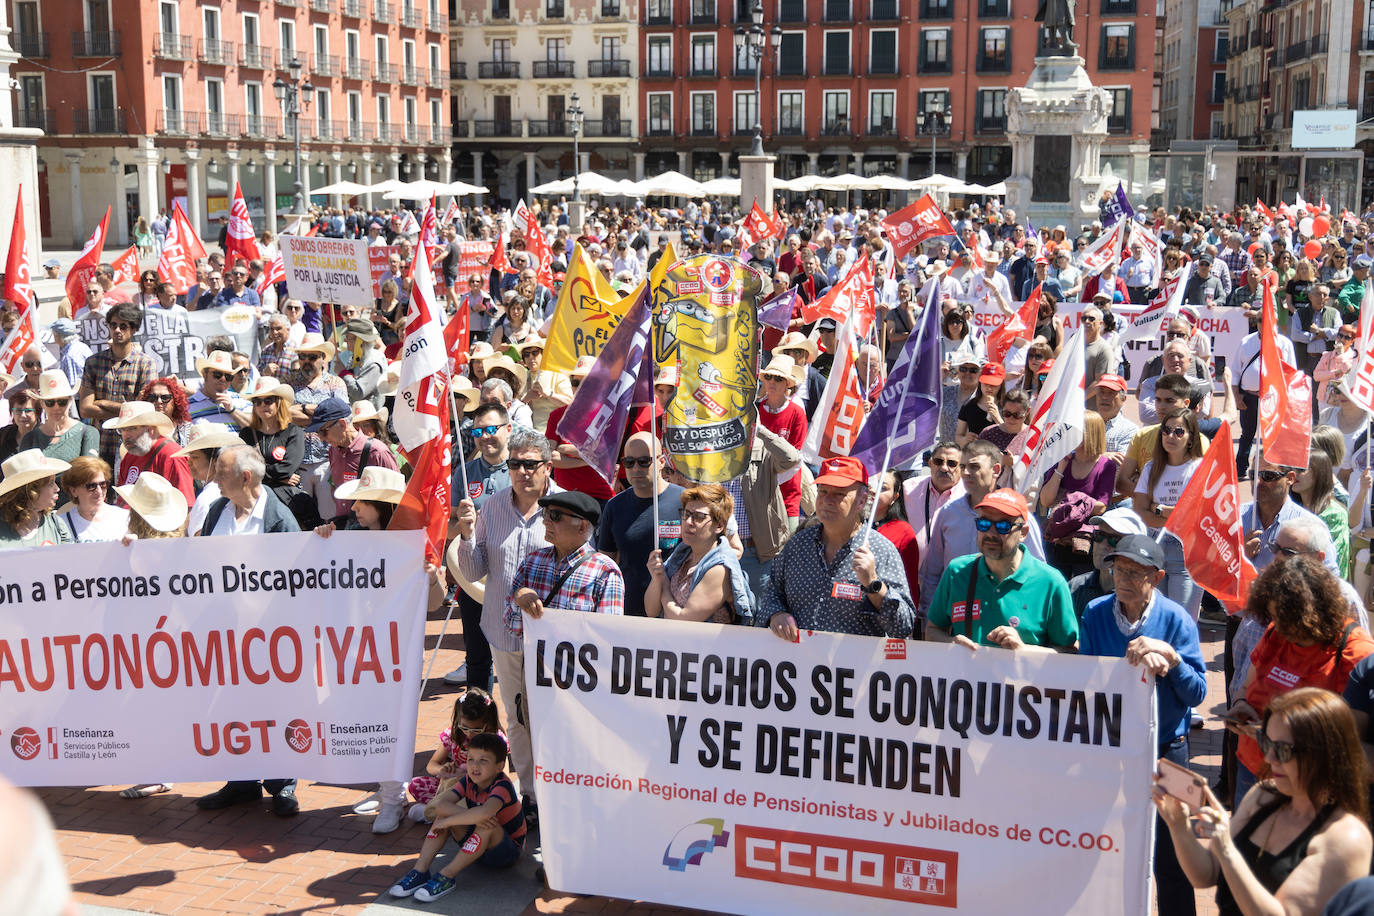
(86,263)
(913,224)
(426,501)
(458,339)
(182,247)
(499,261)
(853,293)
(1268,214)
(1016,325)
(1285,412)
(275,272)
(1207,521)
(126,266)
(17,344)
(540,253)
(18,278)
(240,241)
(759,225)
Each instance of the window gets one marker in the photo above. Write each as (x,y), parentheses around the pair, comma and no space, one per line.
(171,92)
(32,107)
(937,9)
(434,66)
(792,54)
(352,46)
(882,51)
(214,106)
(837,11)
(500,9)
(383,111)
(1118,47)
(321,41)
(210,23)
(322,111)
(1218,88)
(556,49)
(286,34)
(412,119)
(991,114)
(500,50)
(882,113)
(355,115)
(703,11)
(167,18)
(1118,6)
(660,12)
(703,55)
(252,108)
(744,112)
(555,9)
(1119,121)
(1222,47)
(792,11)
(101,87)
(407,55)
(744,58)
(660,114)
(836,108)
(994,52)
(250,29)
(610,47)
(704,113)
(884,10)
(383,57)
(610,116)
(790,113)
(994,9)
(436,117)
(836,53)
(660,61)
(934,51)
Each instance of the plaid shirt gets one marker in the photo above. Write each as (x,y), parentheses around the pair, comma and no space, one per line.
(595,587)
(119,380)
(1237,262)
(284,356)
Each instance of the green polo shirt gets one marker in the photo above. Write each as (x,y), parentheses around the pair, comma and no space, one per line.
(1349,298)
(1036,595)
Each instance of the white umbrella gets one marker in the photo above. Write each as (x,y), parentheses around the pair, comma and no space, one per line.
(997,190)
(346,188)
(382,187)
(416,190)
(459,188)
(587,183)
(670,184)
(727,187)
(938,182)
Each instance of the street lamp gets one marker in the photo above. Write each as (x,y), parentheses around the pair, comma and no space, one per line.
(575,113)
(292,96)
(934,124)
(752,42)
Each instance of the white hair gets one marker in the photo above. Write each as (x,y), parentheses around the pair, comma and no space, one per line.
(1308,529)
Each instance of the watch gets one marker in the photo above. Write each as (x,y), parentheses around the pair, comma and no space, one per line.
(873,587)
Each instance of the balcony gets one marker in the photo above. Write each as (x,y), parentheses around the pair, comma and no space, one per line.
(437,134)
(97,120)
(260,127)
(435,79)
(387,133)
(287,56)
(743,130)
(412,75)
(703,15)
(356,132)
(178,123)
(703,130)
(287,3)
(789,130)
(383,11)
(994,9)
(994,63)
(836,127)
(1118,7)
(1366,40)
(835,68)
(438,22)
(324,65)
(986,124)
(883,68)
(838,11)
(1251,93)
(884,11)
(553,69)
(496,128)
(1295,52)
(459,130)
(660,129)
(934,66)
(1317,44)
(704,72)
(30,44)
(255,57)
(384,72)
(742,69)
(43,119)
(659,16)
(597,68)
(458,70)
(322,6)
(557,128)
(355,68)
(1216,96)
(883,129)
(411,18)
(353,9)
(170,46)
(498,70)
(937,9)
(218,124)
(219,53)
(659,72)
(328,130)
(605,127)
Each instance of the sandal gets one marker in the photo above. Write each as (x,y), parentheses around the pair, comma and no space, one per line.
(146,791)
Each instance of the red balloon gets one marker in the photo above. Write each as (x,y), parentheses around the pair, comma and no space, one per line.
(1320,226)
(1312,249)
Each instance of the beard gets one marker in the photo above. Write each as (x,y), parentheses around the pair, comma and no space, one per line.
(142,445)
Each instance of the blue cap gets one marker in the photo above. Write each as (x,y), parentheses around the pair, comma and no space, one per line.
(327,411)
(63,326)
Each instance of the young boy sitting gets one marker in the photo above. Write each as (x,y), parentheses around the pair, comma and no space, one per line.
(483,813)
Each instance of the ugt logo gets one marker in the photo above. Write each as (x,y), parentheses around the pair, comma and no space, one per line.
(26,743)
(298,736)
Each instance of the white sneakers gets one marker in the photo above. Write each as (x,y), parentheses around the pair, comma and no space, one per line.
(458,676)
(388,817)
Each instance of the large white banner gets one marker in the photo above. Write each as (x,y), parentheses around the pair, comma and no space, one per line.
(212,658)
(327,270)
(718,767)
(174,339)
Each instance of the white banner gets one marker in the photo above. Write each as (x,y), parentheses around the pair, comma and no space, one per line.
(174,339)
(212,658)
(718,767)
(327,270)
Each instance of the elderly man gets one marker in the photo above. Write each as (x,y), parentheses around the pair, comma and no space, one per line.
(1109,528)
(312,385)
(989,285)
(569,574)
(1098,354)
(837,576)
(1237,259)
(216,401)
(494,544)
(144,431)
(926,494)
(1138,623)
(1177,359)
(1001,595)
(1109,397)
(349,450)
(115,375)
(73,351)
(1139,273)
(247,507)
(278,357)
(627,533)
(31,363)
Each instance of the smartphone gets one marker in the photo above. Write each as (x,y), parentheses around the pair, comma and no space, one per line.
(1181,782)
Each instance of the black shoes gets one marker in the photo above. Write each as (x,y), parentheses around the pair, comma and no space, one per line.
(284,803)
(230,794)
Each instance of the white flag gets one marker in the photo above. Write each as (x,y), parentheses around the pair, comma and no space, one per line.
(1055,428)
(1360,380)
(1153,249)
(838,417)
(424,363)
(1106,250)
(1163,308)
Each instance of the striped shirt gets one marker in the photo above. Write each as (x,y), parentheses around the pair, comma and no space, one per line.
(511,815)
(203,408)
(501,541)
(595,586)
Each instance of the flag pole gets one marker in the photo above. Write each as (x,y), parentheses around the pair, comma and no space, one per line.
(458,431)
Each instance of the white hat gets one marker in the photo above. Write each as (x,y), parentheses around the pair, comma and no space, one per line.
(53,384)
(391,381)
(583,368)
(364,411)
(459,384)
(375,483)
(269,387)
(784,367)
(156,501)
(28,466)
(140,413)
(796,340)
(206,435)
(314,342)
(220,361)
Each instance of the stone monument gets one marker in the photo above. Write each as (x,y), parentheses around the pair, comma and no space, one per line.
(1056,124)
(18,157)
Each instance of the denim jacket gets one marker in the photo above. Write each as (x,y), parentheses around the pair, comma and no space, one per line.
(721,554)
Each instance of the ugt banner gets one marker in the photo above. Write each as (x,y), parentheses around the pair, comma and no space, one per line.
(839,774)
(204,659)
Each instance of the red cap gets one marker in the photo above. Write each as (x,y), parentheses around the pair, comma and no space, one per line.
(993,372)
(1047,365)
(843,471)
(1110,380)
(1007,501)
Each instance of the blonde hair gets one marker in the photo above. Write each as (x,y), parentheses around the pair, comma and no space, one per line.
(1094,434)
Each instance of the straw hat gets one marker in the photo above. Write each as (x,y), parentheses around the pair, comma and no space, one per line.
(460,385)
(154,498)
(583,368)
(140,413)
(28,466)
(534,343)
(936,268)
(480,351)
(796,340)
(376,483)
(364,411)
(206,435)
(783,367)
(53,384)
(492,363)
(315,343)
(269,387)
(391,382)
(220,361)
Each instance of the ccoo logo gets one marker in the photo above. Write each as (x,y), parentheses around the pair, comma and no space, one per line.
(26,743)
(298,736)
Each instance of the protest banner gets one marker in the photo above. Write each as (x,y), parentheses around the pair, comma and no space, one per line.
(745,774)
(334,271)
(472,259)
(203,659)
(175,338)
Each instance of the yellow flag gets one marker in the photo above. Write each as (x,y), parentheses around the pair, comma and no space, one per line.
(587,311)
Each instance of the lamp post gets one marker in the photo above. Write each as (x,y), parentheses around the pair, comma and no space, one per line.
(752,42)
(934,124)
(575,114)
(294,97)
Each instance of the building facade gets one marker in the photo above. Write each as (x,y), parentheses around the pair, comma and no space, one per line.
(146,102)
(1196,37)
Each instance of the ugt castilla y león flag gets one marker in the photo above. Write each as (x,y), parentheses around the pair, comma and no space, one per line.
(1017,324)
(852,295)
(182,247)
(18,276)
(240,242)
(85,264)
(914,224)
(1285,412)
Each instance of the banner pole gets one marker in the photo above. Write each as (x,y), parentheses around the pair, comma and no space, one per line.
(458,433)
(873,511)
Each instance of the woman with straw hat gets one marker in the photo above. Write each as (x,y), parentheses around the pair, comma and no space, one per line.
(88,516)
(59,435)
(281,444)
(200,453)
(28,494)
(375,494)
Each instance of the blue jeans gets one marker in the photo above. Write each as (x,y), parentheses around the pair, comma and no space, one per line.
(1172,886)
(756,571)
(1178,585)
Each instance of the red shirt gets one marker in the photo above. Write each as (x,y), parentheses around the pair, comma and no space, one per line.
(584,478)
(788,423)
(903,537)
(160,460)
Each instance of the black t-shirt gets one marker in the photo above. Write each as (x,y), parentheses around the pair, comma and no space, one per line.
(974,416)
(627,528)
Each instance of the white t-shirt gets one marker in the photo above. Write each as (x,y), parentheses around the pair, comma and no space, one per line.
(196,520)
(1171,482)
(112,524)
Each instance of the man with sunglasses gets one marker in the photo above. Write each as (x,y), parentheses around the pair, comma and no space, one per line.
(1203,288)
(925,495)
(216,401)
(111,295)
(1001,595)
(626,533)
(1109,528)
(115,375)
(238,292)
(1098,354)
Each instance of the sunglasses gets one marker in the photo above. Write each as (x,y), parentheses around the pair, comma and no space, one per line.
(969,370)
(952,463)
(645,462)
(93,292)
(1008,415)
(487,430)
(1281,750)
(1002,526)
(219,376)
(59,402)
(160,398)
(1289,551)
(1271,476)
(120,326)
(1108,538)
(1346,337)
(1177,432)
(33,365)
(1175,335)
(96,486)
(269,401)
(310,357)
(1088,319)
(557,515)
(524,464)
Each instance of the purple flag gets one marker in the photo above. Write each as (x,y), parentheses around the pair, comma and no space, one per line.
(777,312)
(1118,208)
(1031,231)
(622,377)
(906,418)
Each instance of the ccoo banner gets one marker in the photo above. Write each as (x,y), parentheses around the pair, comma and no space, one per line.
(840,774)
(212,658)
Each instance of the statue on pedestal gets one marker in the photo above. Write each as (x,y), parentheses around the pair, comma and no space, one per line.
(1056,18)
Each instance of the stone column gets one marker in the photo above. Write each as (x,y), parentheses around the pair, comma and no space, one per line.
(395,166)
(756,181)
(639,166)
(234,157)
(682,160)
(269,187)
(336,176)
(904,165)
(368,160)
(195,204)
(813,163)
(586,162)
(961,158)
(724,163)
(306,179)
(477,170)
(119,208)
(529,172)
(147,181)
(446,167)
(80,230)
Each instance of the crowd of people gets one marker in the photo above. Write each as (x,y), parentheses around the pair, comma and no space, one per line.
(295,437)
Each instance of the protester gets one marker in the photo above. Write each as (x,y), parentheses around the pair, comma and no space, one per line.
(985,408)
(349,450)
(362,361)
(780,415)
(73,351)
(890,518)
(1171,397)
(215,401)
(168,396)
(1177,453)
(88,517)
(760,513)
(115,375)
(59,435)
(701,580)
(205,441)
(281,445)
(1315,491)
(1109,396)
(311,385)
(1107,531)
(144,430)
(626,533)
(28,494)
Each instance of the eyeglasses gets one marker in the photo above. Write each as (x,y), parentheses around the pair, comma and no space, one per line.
(1177,432)
(524,464)
(969,370)
(471,729)
(32,365)
(25,410)
(1107,537)
(1001,526)
(93,292)
(1289,551)
(951,463)
(1271,476)
(1008,415)
(488,430)
(310,357)
(58,402)
(120,326)
(1346,337)
(219,376)
(96,486)
(269,401)
(1175,335)
(1089,319)
(700,516)
(160,398)
(1282,751)
(557,515)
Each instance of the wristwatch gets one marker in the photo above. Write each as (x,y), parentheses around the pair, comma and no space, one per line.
(873,587)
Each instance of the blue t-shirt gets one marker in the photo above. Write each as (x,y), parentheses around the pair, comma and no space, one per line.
(483,480)
(627,527)
(1178,691)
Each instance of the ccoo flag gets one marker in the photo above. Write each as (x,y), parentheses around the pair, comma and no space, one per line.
(1055,427)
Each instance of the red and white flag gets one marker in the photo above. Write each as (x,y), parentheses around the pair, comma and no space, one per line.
(458,339)
(523,218)
(273,273)
(1163,308)
(499,261)
(1106,250)
(405,223)
(758,226)
(1055,427)
(180,251)
(18,276)
(541,254)
(1268,214)
(1152,246)
(240,241)
(126,266)
(915,223)
(1018,324)
(1285,406)
(429,224)
(852,295)
(83,268)
(840,412)
(17,343)
(452,213)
